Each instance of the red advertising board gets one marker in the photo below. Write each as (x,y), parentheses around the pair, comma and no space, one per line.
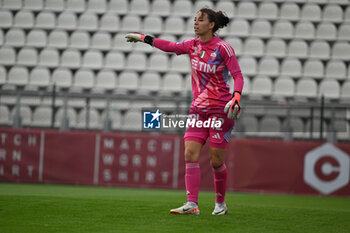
(157,161)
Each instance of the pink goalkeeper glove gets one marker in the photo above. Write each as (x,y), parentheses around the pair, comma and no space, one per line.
(137,37)
(232,108)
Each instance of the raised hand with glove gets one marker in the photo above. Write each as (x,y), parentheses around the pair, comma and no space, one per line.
(137,37)
(233,108)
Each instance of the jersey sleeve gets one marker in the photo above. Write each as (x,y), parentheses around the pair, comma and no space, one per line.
(174,47)
(229,57)
(183,47)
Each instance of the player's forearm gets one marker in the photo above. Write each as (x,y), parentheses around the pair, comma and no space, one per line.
(239,81)
(164,45)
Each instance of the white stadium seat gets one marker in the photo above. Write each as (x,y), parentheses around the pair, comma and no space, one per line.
(320,50)
(71,58)
(268,10)
(276,48)
(106,79)
(344,31)
(101,41)
(131,23)
(332,13)
(341,50)
(269,66)
(58,39)
(77,6)
(12,4)
(115,60)
(132,121)
(136,61)
(261,86)
(139,7)
(172,82)
(15,37)
(248,65)
(182,8)
(128,80)
(27,57)
(239,27)
(200,4)
(313,68)
(311,12)
(298,48)
(94,119)
(25,113)
(347,14)
(284,86)
(45,20)
(7,56)
(330,88)
(24,19)
(79,40)
(290,11)
(54,5)
(4,115)
(5,19)
(84,78)
(304,30)
(109,22)
(92,59)
(67,20)
(326,31)
(49,57)
(306,88)
(18,76)
(71,115)
(152,24)
(62,77)
(161,7)
(254,47)
(33,5)
(226,6)
(270,125)
(345,91)
(159,62)
(96,6)
(261,28)
(88,22)
(150,81)
(246,10)
(283,29)
(36,38)
(118,6)
(291,67)
(336,69)
(174,25)
(3,75)
(39,76)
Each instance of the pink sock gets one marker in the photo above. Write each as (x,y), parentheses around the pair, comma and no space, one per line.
(192,180)
(220,176)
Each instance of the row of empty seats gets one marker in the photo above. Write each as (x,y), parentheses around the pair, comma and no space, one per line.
(105,41)
(172,25)
(272,125)
(168,84)
(310,10)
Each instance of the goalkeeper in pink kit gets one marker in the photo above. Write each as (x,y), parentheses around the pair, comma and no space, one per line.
(211,60)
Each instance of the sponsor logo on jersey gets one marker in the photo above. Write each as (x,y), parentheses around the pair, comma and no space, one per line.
(202,66)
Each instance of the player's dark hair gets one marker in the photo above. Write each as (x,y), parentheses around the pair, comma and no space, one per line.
(218,17)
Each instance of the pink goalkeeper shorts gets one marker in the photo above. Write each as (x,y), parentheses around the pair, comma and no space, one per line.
(218,136)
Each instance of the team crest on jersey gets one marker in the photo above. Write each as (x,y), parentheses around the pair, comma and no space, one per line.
(213,55)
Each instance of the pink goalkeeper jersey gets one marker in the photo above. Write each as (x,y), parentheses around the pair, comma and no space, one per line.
(210,63)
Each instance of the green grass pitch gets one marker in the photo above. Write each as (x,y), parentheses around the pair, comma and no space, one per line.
(57,208)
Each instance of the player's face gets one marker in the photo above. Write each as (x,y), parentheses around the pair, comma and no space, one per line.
(202,25)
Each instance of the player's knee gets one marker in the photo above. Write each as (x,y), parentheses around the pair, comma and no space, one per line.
(215,161)
(191,154)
